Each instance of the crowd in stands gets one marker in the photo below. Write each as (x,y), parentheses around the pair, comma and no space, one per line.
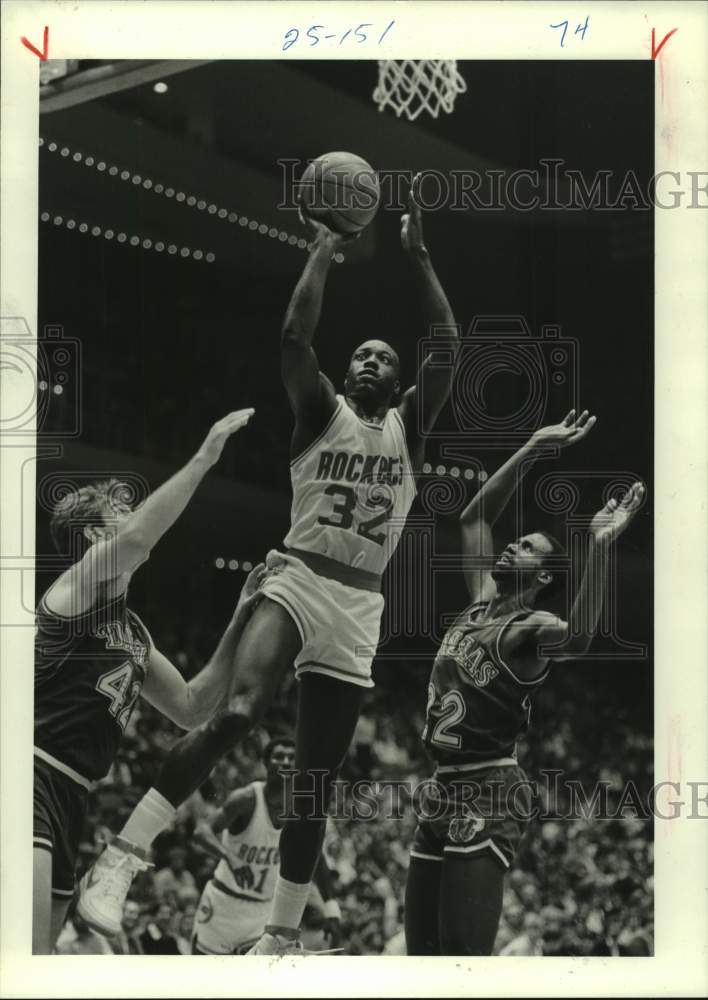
(581,886)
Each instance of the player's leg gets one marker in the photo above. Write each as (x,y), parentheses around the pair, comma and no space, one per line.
(421,907)
(48,911)
(42,941)
(59,910)
(328,710)
(327,714)
(471,892)
(268,646)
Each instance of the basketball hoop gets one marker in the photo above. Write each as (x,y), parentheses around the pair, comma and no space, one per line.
(410,86)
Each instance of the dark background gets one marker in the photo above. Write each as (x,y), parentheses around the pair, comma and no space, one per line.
(171,344)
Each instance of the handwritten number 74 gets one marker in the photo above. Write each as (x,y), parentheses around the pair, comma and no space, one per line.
(579,30)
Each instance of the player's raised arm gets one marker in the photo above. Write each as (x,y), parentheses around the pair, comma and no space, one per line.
(478,517)
(117,550)
(189,704)
(311,394)
(239,804)
(433,383)
(605,528)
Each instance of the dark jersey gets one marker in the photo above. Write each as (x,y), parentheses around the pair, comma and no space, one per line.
(88,673)
(477,708)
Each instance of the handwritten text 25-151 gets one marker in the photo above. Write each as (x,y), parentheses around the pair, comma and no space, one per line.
(318,34)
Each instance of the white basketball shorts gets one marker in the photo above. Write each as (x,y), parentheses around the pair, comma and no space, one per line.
(339,624)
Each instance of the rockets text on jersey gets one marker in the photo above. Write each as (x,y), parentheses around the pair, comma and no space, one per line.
(352,490)
(254,854)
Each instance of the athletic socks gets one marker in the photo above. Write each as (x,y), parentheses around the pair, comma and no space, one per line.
(289,901)
(151,816)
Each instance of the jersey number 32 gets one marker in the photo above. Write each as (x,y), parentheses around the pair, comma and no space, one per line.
(343,514)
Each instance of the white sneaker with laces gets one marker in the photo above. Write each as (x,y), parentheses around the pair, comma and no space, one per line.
(276,944)
(105,885)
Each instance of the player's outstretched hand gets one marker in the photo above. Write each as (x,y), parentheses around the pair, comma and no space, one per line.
(609,523)
(412,221)
(318,231)
(251,594)
(221,431)
(569,431)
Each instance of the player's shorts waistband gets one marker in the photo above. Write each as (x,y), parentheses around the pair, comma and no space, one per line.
(477,765)
(218,884)
(351,576)
(63,768)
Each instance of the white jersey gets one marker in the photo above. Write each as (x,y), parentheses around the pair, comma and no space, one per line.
(352,490)
(254,854)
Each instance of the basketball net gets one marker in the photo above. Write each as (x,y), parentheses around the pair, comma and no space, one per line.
(410,86)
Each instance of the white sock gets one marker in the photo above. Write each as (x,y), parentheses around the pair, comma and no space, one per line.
(151,816)
(289,901)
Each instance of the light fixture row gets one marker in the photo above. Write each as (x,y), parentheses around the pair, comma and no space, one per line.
(233,564)
(145,242)
(262,228)
(453,470)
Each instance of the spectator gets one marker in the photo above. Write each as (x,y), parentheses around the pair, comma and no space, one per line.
(157,938)
(529,941)
(361,763)
(588,882)
(127,942)
(185,926)
(175,881)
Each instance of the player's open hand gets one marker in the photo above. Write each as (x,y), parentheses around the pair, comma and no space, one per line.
(412,221)
(609,523)
(243,876)
(318,231)
(221,431)
(569,431)
(251,594)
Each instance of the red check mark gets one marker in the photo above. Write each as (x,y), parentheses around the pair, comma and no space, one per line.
(45,52)
(654,50)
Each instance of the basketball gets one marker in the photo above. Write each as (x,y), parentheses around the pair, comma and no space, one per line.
(341,190)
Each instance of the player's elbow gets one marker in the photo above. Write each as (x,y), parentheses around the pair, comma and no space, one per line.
(561,646)
(293,336)
(471,524)
(190,716)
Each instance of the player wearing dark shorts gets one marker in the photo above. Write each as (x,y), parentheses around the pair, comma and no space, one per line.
(94,658)
(489,666)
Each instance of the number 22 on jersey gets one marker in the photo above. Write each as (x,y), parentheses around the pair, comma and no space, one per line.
(453,711)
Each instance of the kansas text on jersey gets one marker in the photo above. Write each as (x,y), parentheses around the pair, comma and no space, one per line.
(89,671)
(352,490)
(477,707)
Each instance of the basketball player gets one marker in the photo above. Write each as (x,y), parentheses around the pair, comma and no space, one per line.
(94,657)
(491,662)
(245,835)
(353,461)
